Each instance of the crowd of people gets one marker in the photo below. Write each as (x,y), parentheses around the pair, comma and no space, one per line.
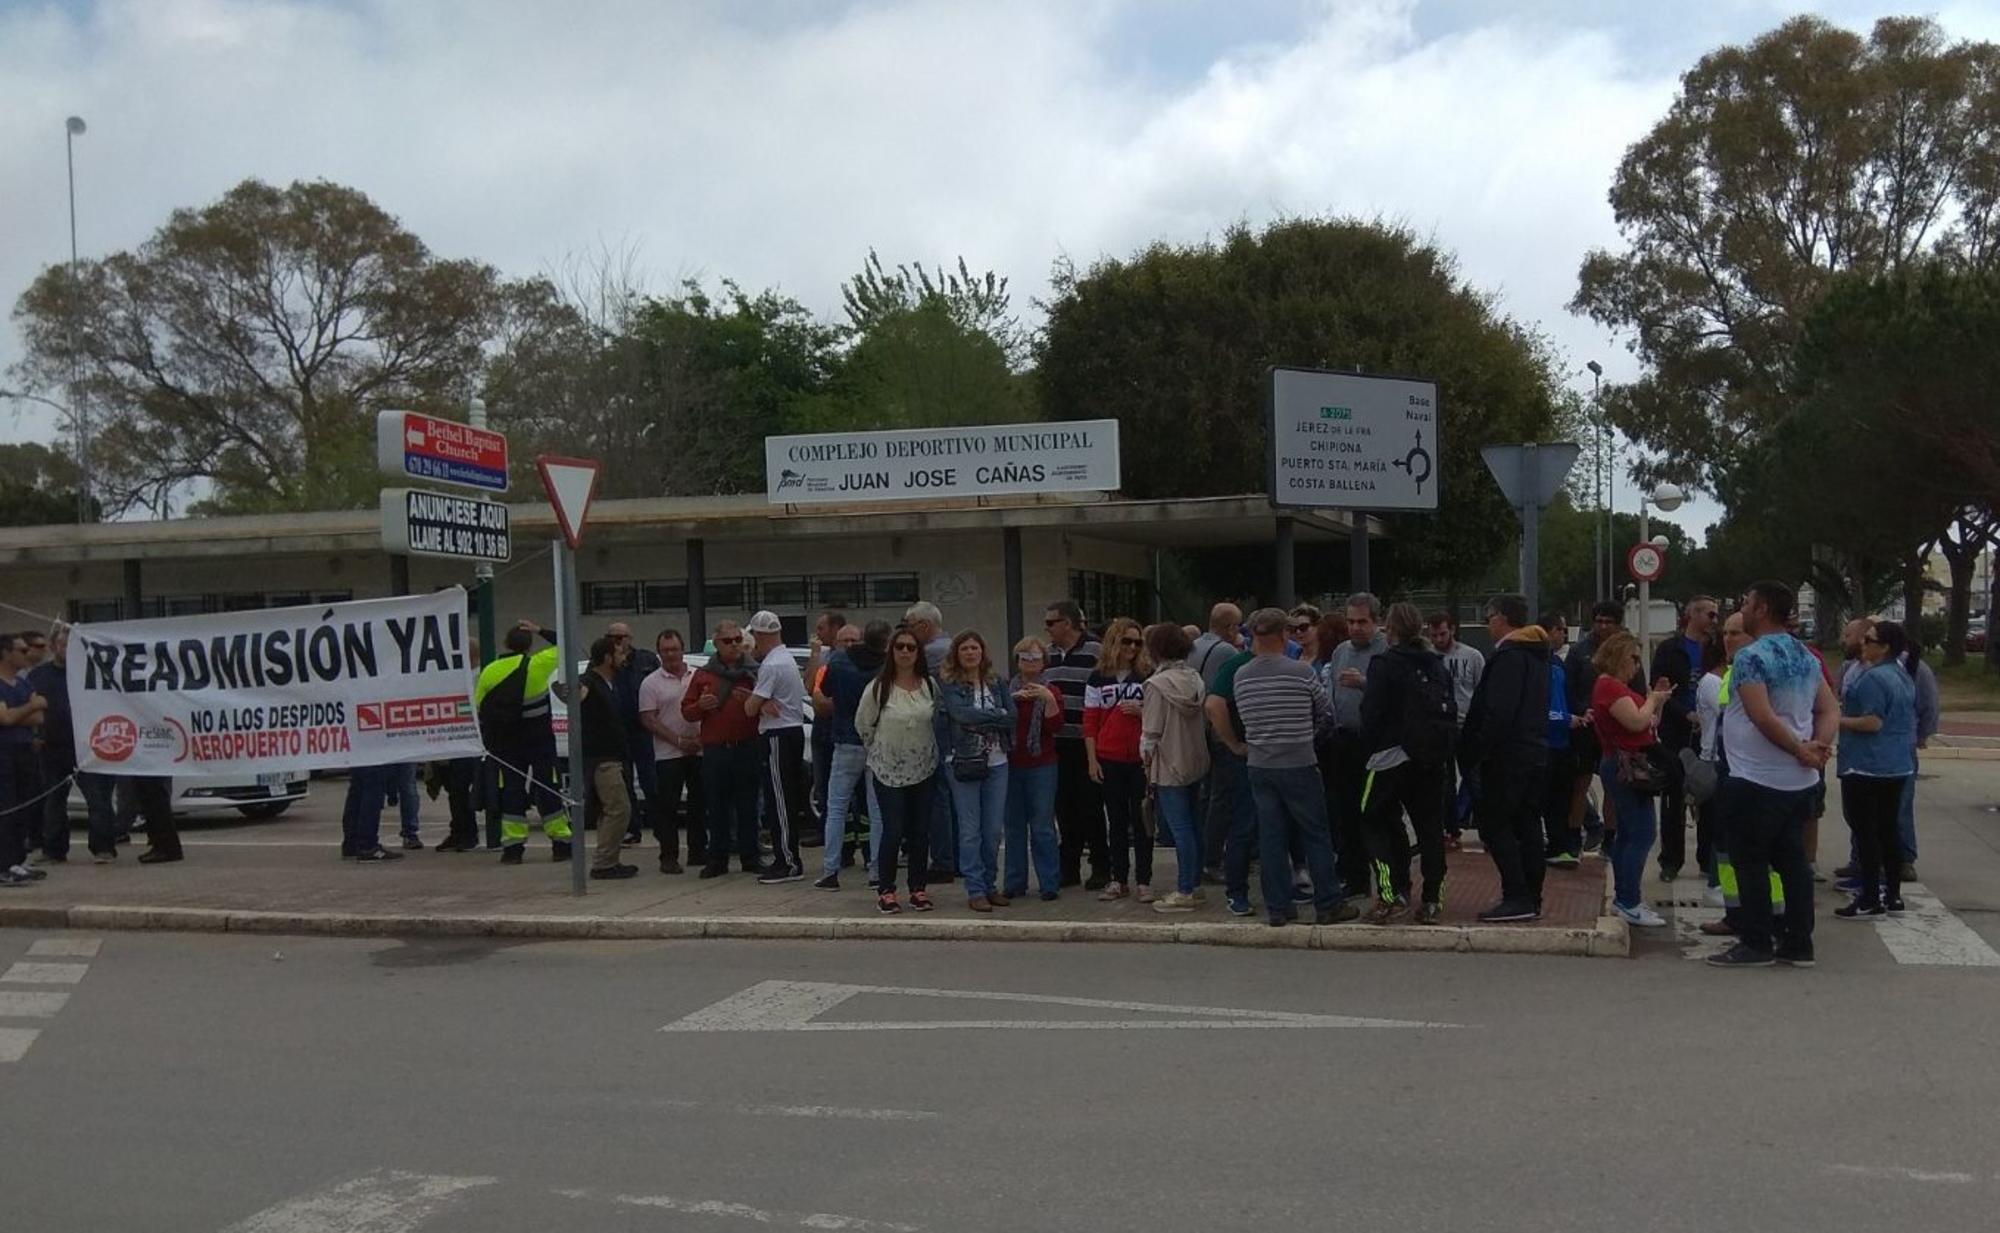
(1330,750)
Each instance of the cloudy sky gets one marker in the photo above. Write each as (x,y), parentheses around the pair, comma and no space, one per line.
(775,142)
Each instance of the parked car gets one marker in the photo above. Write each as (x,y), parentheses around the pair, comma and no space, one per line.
(695,659)
(254,796)
(1975,634)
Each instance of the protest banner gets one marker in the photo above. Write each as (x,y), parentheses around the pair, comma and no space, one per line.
(277,689)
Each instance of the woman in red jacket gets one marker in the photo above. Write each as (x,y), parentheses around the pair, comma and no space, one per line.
(1112,700)
(1031,775)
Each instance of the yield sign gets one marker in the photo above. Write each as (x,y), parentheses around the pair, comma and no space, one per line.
(570,483)
(795,1006)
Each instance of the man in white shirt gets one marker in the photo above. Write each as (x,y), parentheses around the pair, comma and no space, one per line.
(1777,731)
(779,703)
(676,754)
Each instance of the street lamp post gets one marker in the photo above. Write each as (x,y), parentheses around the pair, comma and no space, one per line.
(1666,498)
(1598,517)
(73,128)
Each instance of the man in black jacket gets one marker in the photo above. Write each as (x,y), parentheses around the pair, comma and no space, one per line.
(1506,741)
(604,753)
(1677,661)
(1409,711)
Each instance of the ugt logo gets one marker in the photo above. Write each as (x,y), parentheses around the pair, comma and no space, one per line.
(113,738)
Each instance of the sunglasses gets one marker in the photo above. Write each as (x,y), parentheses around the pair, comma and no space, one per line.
(1052,622)
(1299,627)
(1130,642)
(905,646)
(1029,657)
(728,641)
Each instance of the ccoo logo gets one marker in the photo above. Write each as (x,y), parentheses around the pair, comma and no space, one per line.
(113,738)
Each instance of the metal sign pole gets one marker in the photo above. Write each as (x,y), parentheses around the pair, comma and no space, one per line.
(568,600)
(1531,531)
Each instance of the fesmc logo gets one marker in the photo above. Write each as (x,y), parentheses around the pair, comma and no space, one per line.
(412,714)
(116,738)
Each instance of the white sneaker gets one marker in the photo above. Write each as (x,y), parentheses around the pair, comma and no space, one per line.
(1174,901)
(1713,897)
(1642,916)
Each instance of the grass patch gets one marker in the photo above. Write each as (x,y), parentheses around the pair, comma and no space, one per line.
(1970,686)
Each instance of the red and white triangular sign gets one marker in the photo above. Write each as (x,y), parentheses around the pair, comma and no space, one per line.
(570,483)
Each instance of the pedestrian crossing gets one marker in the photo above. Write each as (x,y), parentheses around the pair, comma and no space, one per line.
(1928,934)
(30,989)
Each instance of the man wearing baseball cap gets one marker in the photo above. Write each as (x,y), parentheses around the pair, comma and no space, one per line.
(779,703)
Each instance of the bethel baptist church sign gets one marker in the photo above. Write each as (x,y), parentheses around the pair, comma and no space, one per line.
(913,463)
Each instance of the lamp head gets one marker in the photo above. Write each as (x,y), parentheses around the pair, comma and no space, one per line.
(1596,369)
(76,126)
(1667,497)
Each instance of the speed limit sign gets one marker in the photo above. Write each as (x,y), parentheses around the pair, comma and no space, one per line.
(1646,562)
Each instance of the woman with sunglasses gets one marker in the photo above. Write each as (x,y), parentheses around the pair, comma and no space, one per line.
(1112,703)
(1626,724)
(1302,631)
(1031,775)
(979,721)
(1878,742)
(897,724)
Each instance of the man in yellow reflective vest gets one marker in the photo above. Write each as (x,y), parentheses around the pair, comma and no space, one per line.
(514,720)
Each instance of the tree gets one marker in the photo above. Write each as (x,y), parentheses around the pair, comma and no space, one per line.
(915,368)
(246,346)
(37,486)
(976,304)
(1175,343)
(676,394)
(1807,153)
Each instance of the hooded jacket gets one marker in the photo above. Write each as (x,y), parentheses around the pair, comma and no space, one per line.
(1171,736)
(1391,676)
(847,675)
(1509,717)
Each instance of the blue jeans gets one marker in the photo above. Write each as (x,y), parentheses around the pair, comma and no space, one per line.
(847,770)
(1229,793)
(403,775)
(981,806)
(361,813)
(1177,813)
(97,791)
(1288,799)
(1632,842)
(1031,828)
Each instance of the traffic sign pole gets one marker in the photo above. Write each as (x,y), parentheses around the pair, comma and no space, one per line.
(1530,475)
(568,600)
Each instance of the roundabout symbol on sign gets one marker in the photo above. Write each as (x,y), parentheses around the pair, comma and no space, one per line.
(1647,562)
(1417,462)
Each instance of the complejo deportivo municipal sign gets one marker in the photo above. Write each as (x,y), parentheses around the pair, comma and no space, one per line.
(1351,441)
(916,463)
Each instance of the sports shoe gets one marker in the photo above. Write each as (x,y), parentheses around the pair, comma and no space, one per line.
(378,854)
(1642,916)
(412,844)
(830,882)
(1050,896)
(50,858)
(1430,914)
(1593,842)
(778,874)
(1385,911)
(513,853)
(1741,956)
(1859,910)
(1143,893)
(1669,872)
(1111,891)
(1850,885)
(558,850)
(9,878)
(614,873)
(1893,907)
(1793,957)
(1849,870)
(1174,901)
(1713,897)
(713,871)
(1562,860)
(1239,905)
(886,904)
(920,901)
(33,875)
(632,840)
(1339,914)
(1506,912)
(160,856)
(1212,876)
(669,865)
(104,858)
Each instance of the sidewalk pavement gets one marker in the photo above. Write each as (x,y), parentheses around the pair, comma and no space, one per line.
(287,878)
(1968,734)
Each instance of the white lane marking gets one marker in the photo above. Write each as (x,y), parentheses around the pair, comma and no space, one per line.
(743,1211)
(45,973)
(385,1201)
(792,1006)
(837,1112)
(61,948)
(14,1042)
(1930,934)
(26,1004)
(1900,1174)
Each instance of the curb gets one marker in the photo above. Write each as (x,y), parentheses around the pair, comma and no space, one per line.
(1961,753)
(1608,938)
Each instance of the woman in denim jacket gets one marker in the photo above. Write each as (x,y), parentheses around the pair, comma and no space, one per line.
(979,719)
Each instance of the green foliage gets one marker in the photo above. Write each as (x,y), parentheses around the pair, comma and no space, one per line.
(976,304)
(916,368)
(247,345)
(37,486)
(1176,341)
(1809,152)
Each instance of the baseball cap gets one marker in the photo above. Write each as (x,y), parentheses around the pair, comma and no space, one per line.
(766,622)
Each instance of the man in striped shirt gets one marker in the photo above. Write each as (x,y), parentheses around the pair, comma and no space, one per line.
(1281,704)
(1079,803)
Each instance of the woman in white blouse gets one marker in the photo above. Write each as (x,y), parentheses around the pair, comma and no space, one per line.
(897,724)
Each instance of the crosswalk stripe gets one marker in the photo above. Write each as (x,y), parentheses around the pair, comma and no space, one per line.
(44,973)
(14,1042)
(65,948)
(1930,934)
(23,1004)
(385,1201)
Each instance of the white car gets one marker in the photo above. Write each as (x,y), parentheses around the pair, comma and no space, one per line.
(695,659)
(254,796)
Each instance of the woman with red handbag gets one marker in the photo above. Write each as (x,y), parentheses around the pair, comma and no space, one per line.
(1626,722)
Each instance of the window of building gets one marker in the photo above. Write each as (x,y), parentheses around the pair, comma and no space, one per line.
(665,596)
(1105,596)
(839,592)
(725,594)
(890,590)
(610,597)
(782,593)
(95,611)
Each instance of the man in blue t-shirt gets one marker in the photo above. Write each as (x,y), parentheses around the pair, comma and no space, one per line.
(1778,728)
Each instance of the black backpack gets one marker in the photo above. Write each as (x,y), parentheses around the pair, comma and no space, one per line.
(1430,712)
